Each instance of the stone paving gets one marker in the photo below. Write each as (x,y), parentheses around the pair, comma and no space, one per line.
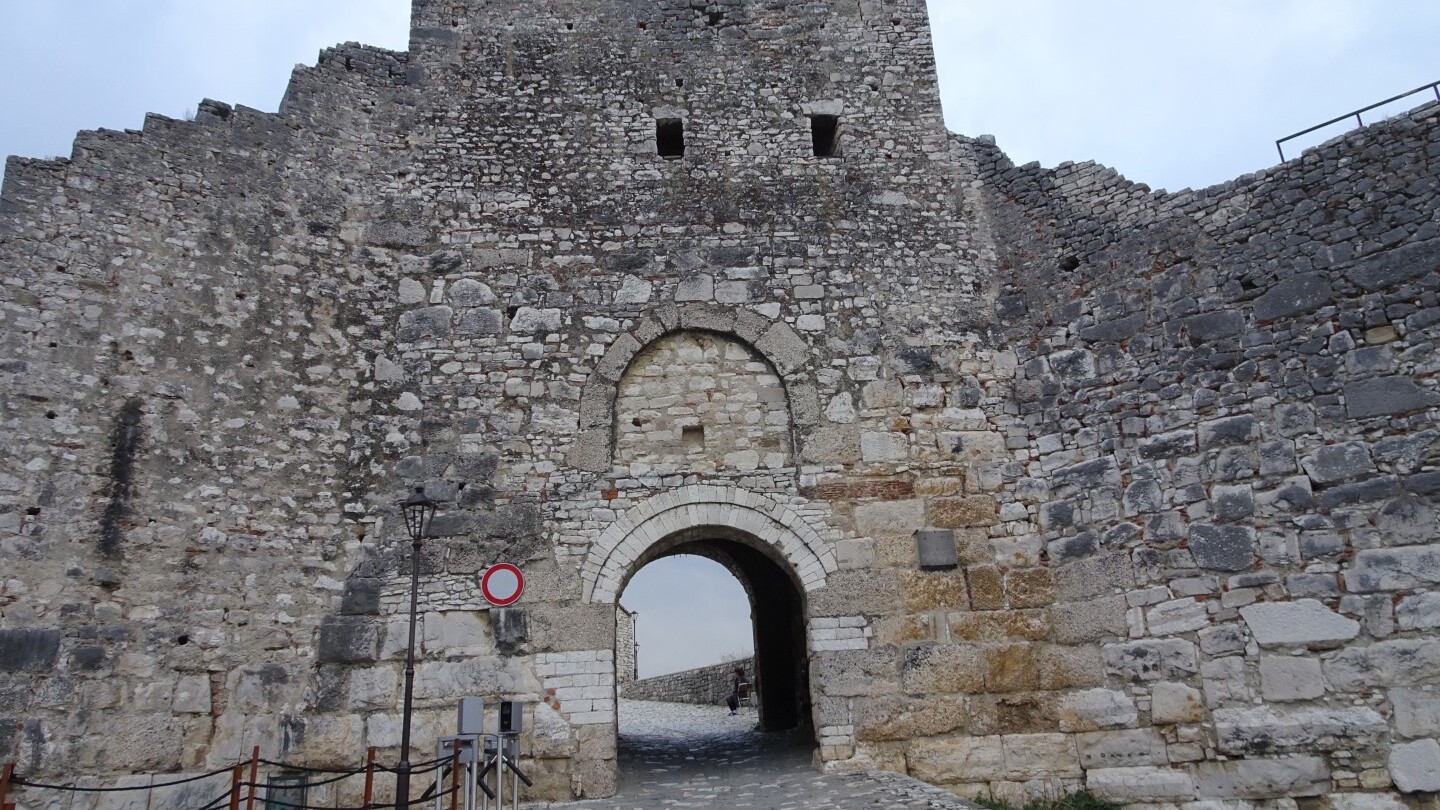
(685,756)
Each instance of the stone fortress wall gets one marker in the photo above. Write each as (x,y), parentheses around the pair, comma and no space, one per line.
(625,646)
(1184,443)
(706,685)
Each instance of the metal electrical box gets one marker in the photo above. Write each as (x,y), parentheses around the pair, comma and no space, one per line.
(471,719)
(936,549)
(512,716)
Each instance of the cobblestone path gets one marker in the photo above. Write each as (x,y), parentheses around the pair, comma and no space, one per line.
(682,757)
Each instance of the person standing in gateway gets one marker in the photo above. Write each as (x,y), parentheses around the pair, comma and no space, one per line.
(733,699)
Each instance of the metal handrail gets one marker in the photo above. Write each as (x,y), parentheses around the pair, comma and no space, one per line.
(1279,145)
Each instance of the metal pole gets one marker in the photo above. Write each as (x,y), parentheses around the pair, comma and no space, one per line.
(369,778)
(455,777)
(254,774)
(5,775)
(237,776)
(402,770)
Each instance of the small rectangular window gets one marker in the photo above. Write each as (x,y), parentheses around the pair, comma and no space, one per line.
(670,137)
(693,436)
(825,135)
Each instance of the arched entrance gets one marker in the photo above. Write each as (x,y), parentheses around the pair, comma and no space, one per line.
(777,604)
(778,556)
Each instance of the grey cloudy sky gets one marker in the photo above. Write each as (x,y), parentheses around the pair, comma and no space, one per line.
(1173,94)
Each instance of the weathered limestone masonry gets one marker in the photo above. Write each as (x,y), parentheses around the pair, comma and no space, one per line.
(1171,458)
(625,650)
(705,685)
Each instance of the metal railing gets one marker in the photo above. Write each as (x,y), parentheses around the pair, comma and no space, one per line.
(1280,144)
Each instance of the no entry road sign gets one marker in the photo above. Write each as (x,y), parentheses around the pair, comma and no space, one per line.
(502,584)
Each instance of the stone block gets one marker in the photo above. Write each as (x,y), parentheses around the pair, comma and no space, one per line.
(1151,660)
(373,689)
(1121,749)
(192,695)
(1263,778)
(783,347)
(879,447)
(1140,785)
(877,589)
(1031,756)
(1394,266)
(467,292)
(1061,667)
(1407,520)
(1366,801)
(1303,292)
(1268,729)
(1095,709)
(1301,623)
(1168,445)
(1397,662)
(1011,668)
(348,640)
(954,760)
(479,322)
(1415,766)
(1000,625)
(960,513)
(889,517)
(1177,616)
(1334,463)
(1232,502)
(427,322)
(455,632)
(1417,712)
(29,650)
(1210,326)
(1029,588)
(511,627)
(1114,329)
(1223,548)
(1093,620)
(935,548)
(1393,569)
(361,597)
(1175,703)
(899,717)
(943,668)
(928,590)
(855,673)
(831,444)
(1100,575)
(1383,396)
(987,587)
(1087,477)
(1284,678)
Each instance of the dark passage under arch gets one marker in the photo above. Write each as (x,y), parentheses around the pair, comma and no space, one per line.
(777,603)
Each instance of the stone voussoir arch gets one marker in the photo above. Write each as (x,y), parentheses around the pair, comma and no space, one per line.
(780,345)
(612,555)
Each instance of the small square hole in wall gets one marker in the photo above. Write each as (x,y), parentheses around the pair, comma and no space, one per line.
(693,437)
(670,137)
(825,135)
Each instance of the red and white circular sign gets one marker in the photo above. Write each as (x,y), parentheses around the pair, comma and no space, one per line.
(502,584)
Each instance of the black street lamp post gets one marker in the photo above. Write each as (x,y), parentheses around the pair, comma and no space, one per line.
(418,510)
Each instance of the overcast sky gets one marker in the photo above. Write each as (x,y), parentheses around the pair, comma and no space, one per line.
(1172,94)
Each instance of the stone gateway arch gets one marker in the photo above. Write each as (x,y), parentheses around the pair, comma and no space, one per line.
(1043,480)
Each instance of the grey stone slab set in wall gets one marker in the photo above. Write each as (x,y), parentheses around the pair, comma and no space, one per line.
(1185,443)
